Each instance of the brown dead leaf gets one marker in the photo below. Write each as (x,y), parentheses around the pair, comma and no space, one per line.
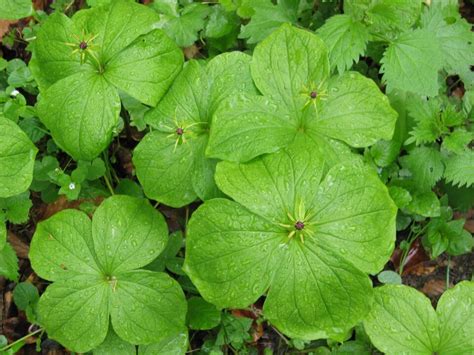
(5,27)
(20,247)
(62,203)
(191,51)
(434,287)
(416,255)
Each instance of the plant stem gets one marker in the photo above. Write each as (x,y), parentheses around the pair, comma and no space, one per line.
(447,271)
(411,238)
(21,339)
(109,185)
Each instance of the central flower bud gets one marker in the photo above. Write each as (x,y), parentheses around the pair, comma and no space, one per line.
(299,225)
(179,131)
(313,94)
(83,45)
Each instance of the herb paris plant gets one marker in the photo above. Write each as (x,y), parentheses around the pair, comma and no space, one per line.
(310,240)
(402,321)
(94,266)
(291,69)
(116,47)
(170,161)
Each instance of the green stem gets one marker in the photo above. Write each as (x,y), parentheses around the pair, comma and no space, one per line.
(21,339)
(447,271)
(411,238)
(109,185)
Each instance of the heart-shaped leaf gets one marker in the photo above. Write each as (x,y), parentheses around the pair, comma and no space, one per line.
(291,70)
(93,266)
(402,321)
(83,62)
(310,240)
(17,159)
(170,161)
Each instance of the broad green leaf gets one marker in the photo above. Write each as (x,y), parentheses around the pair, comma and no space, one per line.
(81,112)
(17,158)
(128,233)
(240,247)
(400,196)
(170,162)
(346,39)
(426,167)
(355,112)
(68,237)
(424,204)
(15,9)
(456,318)
(411,63)
(152,300)
(290,68)
(117,26)
(174,345)
(389,277)
(52,56)
(267,17)
(460,169)
(113,344)
(146,68)
(75,306)
(94,268)
(202,315)
(8,262)
(248,127)
(310,242)
(403,321)
(288,64)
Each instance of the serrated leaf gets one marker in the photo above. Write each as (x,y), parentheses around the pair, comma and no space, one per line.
(346,40)
(411,63)
(202,315)
(403,321)
(460,169)
(82,120)
(94,268)
(17,157)
(425,165)
(457,141)
(15,9)
(8,262)
(170,162)
(428,125)
(16,208)
(267,17)
(253,244)
(184,28)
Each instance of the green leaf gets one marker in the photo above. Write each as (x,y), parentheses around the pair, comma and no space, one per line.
(411,63)
(425,165)
(138,69)
(51,56)
(17,157)
(460,240)
(184,28)
(290,68)
(346,40)
(166,258)
(16,208)
(94,268)
(81,111)
(458,141)
(320,269)
(402,321)
(389,277)
(460,169)
(202,315)
(455,312)
(8,262)
(25,294)
(425,204)
(400,196)
(152,300)
(15,9)
(170,162)
(113,344)
(267,17)
(427,116)
(174,345)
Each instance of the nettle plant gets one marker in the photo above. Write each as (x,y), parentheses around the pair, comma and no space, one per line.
(402,321)
(170,161)
(304,238)
(97,283)
(83,63)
